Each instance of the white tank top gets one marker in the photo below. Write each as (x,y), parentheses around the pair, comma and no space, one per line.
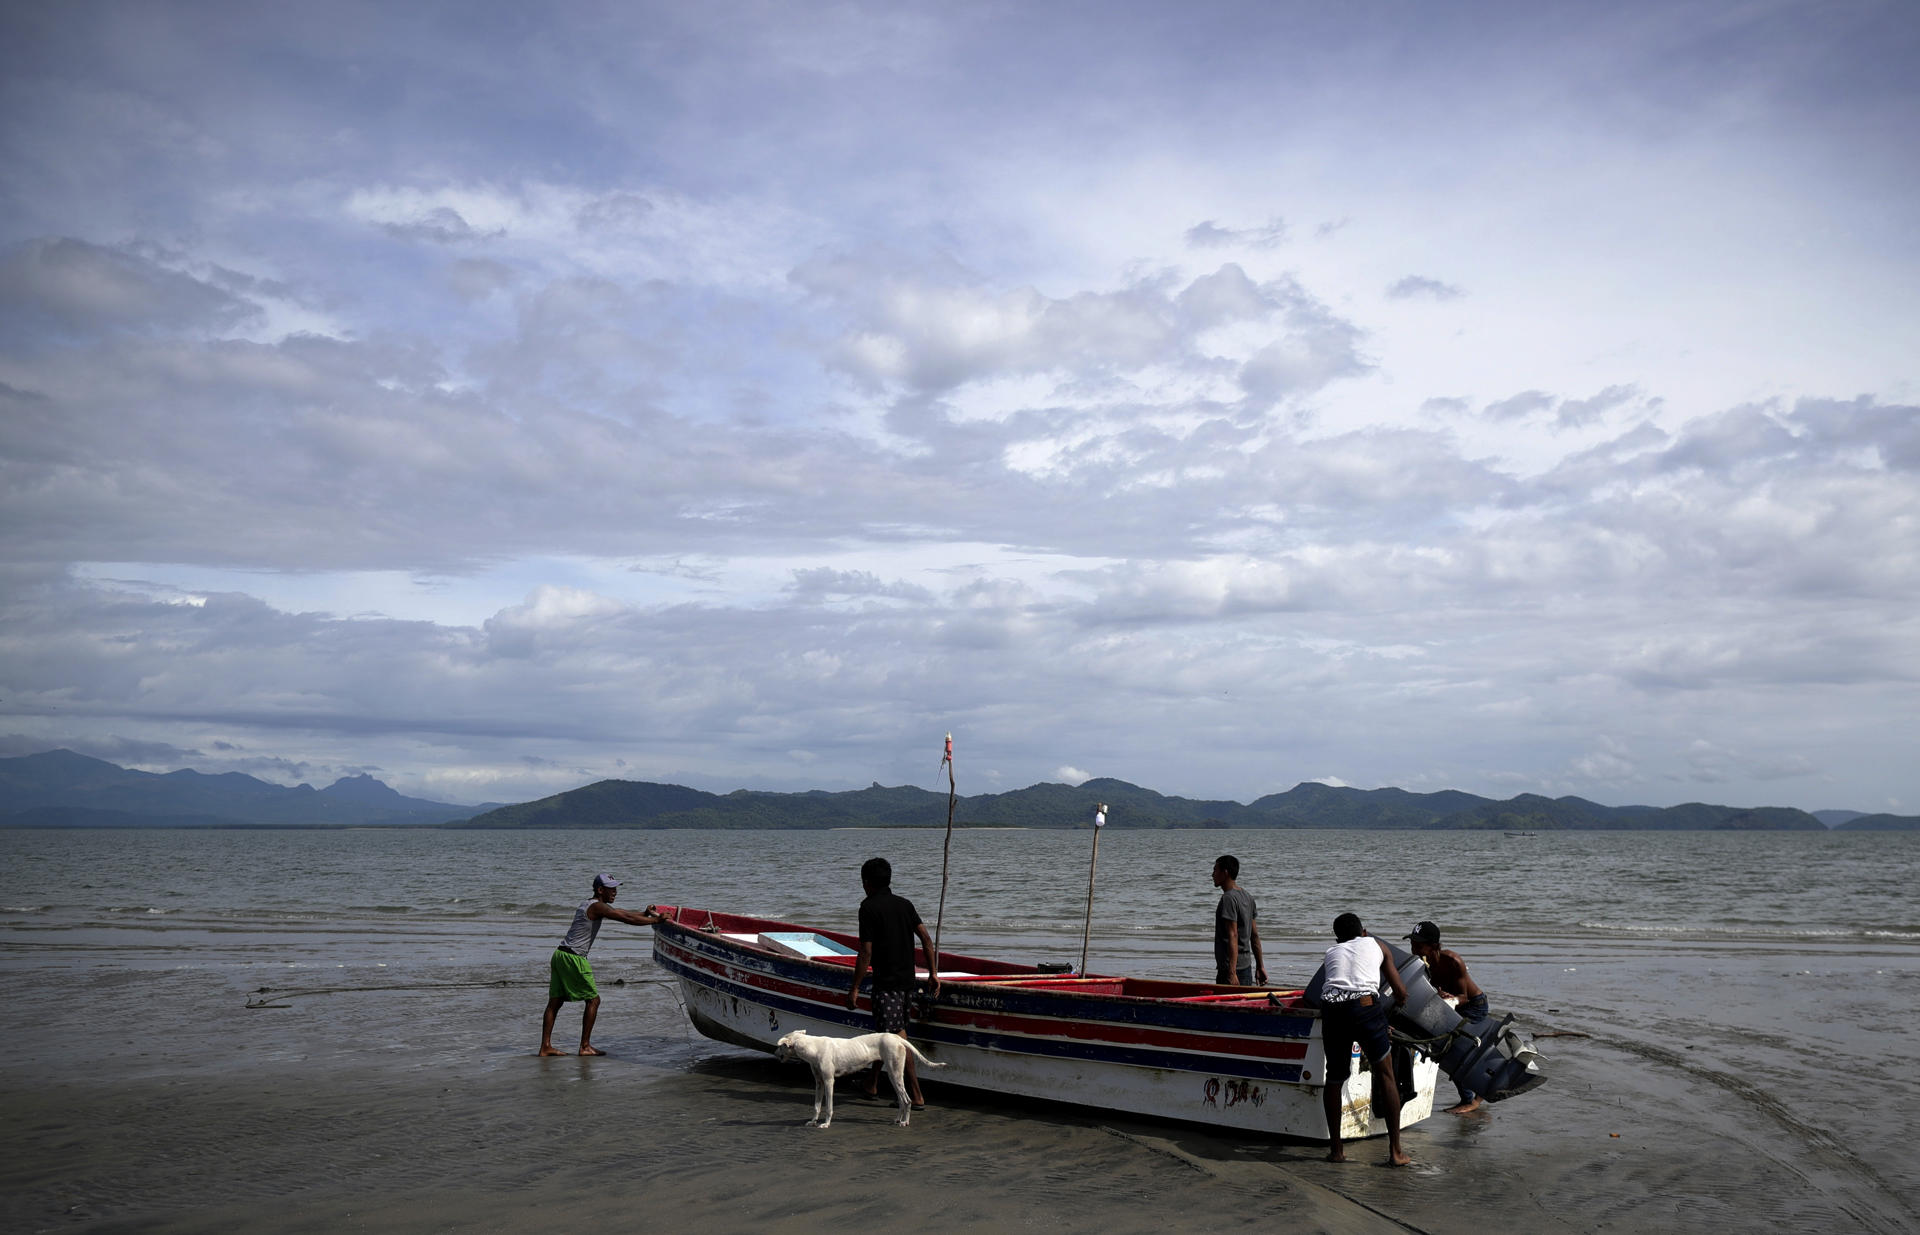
(583,932)
(1353,969)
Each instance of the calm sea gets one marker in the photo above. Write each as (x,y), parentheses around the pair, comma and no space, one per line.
(1766,985)
(349,897)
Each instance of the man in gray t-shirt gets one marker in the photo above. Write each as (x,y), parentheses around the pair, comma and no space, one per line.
(1237,960)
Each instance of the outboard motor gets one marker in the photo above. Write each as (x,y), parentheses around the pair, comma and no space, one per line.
(1424,1009)
(1489,1056)
(1492,1058)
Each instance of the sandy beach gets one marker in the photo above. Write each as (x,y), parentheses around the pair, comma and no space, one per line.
(157,1101)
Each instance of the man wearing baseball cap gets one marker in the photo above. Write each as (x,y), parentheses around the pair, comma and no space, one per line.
(1450,978)
(572,976)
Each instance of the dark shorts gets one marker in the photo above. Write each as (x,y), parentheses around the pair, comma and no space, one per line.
(890,1011)
(1343,1024)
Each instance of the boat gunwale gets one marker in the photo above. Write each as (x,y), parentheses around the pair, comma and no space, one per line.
(1210,998)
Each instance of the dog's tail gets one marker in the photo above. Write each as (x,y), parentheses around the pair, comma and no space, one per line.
(922,1060)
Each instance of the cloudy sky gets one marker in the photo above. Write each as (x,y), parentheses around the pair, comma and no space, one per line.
(500,397)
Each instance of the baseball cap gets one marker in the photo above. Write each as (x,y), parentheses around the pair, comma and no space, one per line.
(1425,932)
(604,880)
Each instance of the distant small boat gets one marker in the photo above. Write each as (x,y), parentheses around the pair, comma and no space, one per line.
(1239,1058)
(1520,834)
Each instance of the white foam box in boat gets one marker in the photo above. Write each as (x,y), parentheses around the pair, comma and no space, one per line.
(803,943)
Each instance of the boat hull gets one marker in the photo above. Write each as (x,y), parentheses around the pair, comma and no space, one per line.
(1230,1060)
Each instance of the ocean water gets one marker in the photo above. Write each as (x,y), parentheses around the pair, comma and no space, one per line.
(1754,991)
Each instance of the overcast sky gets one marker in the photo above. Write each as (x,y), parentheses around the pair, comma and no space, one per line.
(500,397)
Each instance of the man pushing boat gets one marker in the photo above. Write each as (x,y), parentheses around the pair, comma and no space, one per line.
(571,976)
(1450,978)
(1352,1010)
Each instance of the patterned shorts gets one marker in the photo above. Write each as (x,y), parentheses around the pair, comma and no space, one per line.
(890,1011)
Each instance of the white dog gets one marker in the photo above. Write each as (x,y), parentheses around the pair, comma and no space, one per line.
(831,1057)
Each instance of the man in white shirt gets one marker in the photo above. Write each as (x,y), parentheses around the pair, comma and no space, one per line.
(1353,1009)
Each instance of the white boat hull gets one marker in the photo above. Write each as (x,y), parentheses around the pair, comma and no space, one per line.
(1241,1069)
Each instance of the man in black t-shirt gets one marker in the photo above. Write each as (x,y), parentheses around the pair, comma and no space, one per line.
(888,924)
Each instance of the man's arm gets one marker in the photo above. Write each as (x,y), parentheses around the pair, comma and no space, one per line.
(1233,948)
(1391,974)
(933,961)
(600,909)
(860,964)
(1259,959)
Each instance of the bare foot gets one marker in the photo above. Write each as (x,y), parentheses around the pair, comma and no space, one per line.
(1399,1157)
(1463,1108)
(548,1050)
(591,1050)
(1337,1155)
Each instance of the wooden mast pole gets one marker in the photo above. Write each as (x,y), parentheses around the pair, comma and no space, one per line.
(1086,934)
(946,858)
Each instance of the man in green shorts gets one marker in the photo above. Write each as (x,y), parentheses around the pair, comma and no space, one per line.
(572,976)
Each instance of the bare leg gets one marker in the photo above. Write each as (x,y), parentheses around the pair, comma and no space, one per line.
(872,1087)
(1330,1102)
(546,1027)
(586,1027)
(1386,1101)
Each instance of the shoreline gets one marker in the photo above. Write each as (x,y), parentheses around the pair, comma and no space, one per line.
(424,1107)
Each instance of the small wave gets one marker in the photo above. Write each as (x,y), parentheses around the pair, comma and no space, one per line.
(1755,931)
(540,910)
(43,909)
(379,909)
(146,909)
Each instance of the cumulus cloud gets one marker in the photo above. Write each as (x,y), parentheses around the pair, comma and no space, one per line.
(1210,235)
(1519,407)
(1419,287)
(1579,413)
(71,284)
(824,583)
(439,225)
(936,336)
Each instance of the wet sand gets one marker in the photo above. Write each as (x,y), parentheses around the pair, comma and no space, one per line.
(157,1102)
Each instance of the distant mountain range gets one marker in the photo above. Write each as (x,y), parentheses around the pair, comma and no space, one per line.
(638,804)
(63,789)
(60,789)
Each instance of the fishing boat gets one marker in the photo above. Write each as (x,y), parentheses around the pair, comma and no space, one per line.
(1245,1059)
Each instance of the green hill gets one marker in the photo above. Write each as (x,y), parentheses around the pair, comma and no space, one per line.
(59,788)
(1881,823)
